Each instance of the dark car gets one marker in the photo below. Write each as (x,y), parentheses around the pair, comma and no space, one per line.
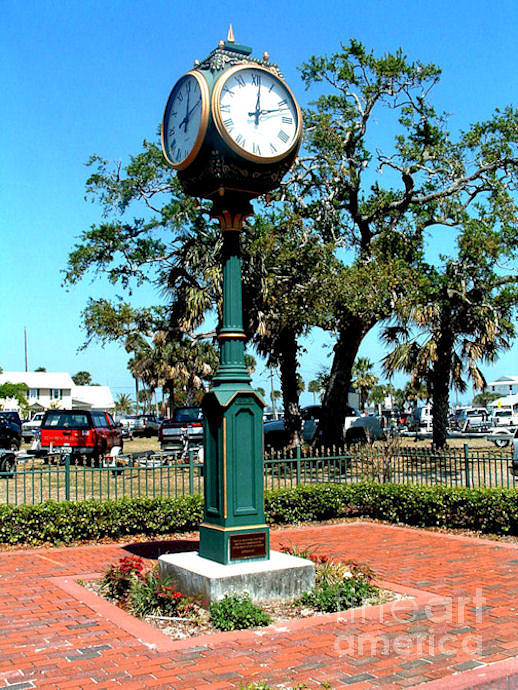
(14,417)
(10,431)
(184,430)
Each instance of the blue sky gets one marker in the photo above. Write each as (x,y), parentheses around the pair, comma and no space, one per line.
(93,77)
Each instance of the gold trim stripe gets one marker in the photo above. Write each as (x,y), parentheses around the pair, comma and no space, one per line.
(223,336)
(225,502)
(232,529)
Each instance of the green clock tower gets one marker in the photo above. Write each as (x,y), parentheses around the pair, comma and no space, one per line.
(232,129)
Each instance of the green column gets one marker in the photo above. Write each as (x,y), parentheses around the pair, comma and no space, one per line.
(234,526)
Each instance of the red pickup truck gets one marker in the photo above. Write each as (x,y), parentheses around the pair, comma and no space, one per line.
(92,433)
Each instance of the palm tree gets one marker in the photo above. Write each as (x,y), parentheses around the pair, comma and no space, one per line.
(363,378)
(315,388)
(464,318)
(123,404)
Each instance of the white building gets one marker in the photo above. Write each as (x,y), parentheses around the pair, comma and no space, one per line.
(505,385)
(92,397)
(56,390)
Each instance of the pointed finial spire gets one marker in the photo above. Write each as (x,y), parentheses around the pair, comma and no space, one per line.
(230,37)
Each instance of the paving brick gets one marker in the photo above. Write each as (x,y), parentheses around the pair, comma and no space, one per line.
(50,639)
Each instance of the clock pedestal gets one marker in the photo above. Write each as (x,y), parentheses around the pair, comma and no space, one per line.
(233,526)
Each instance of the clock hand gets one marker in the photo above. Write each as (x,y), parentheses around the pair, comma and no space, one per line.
(258,105)
(257,113)
(193,107)
(185,120)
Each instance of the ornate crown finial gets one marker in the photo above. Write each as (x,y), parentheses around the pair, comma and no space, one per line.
(230,37)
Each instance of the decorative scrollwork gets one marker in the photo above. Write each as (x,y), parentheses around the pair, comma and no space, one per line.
(220,59)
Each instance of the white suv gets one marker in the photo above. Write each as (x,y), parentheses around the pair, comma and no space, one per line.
(29,429)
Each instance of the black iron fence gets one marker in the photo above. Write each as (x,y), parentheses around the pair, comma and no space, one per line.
(35,480)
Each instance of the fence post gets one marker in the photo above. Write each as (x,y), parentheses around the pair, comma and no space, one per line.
(191,471)
(466,465)
(298,463)
(67,477)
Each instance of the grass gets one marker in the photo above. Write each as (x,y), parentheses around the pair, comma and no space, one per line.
(37,481)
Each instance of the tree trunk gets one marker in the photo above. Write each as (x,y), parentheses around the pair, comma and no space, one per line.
(137,403)
(331,426)
(288,364)
(441,385)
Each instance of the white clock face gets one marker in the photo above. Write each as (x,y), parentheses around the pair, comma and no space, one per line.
(185,120)
(256,113)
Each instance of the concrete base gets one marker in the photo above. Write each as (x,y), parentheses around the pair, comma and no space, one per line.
(281,577)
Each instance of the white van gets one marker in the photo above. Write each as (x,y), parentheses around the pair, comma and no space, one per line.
(421,418)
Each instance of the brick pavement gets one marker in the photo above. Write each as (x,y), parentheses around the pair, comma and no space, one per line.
(458,628)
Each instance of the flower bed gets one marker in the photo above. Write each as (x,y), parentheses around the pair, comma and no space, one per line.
(143,593)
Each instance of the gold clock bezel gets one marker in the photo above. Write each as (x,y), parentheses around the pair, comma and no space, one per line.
(222,130)
(204,121)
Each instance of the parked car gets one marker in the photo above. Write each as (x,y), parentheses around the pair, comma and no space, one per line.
(150,424)
(127,424)
(138,424)
(10,432)
(420,419)
(90,433)
(30,427)
(357,429)
(504,416)
(13,417)
(183,431)
(473,418)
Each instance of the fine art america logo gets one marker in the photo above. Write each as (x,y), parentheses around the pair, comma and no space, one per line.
(442,626)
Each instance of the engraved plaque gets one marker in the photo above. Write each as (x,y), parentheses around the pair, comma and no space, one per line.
(251,545)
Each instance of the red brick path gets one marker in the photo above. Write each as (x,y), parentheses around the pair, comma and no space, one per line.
(459,629)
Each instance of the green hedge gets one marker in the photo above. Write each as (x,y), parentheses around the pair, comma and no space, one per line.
(485,510)
(68,522)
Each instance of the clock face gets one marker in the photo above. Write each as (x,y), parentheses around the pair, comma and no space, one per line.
(185,120)
(256,114)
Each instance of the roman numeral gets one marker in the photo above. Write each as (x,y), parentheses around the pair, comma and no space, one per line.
(240,140)
(256,149)
(180,96)
(287,120)
(273,149)
(283,136)
(283,104)
(240,80)
(225,108)
(227,90)
(229,123)
(256,79)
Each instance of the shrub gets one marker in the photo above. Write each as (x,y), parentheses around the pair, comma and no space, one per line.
(236,612)
(72,521)
(118,578)
(339,595)
(486,510)
(153,595)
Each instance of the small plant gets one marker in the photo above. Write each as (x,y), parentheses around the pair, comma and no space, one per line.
(119,577)
(339,595)
(236,612)
(153,595)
